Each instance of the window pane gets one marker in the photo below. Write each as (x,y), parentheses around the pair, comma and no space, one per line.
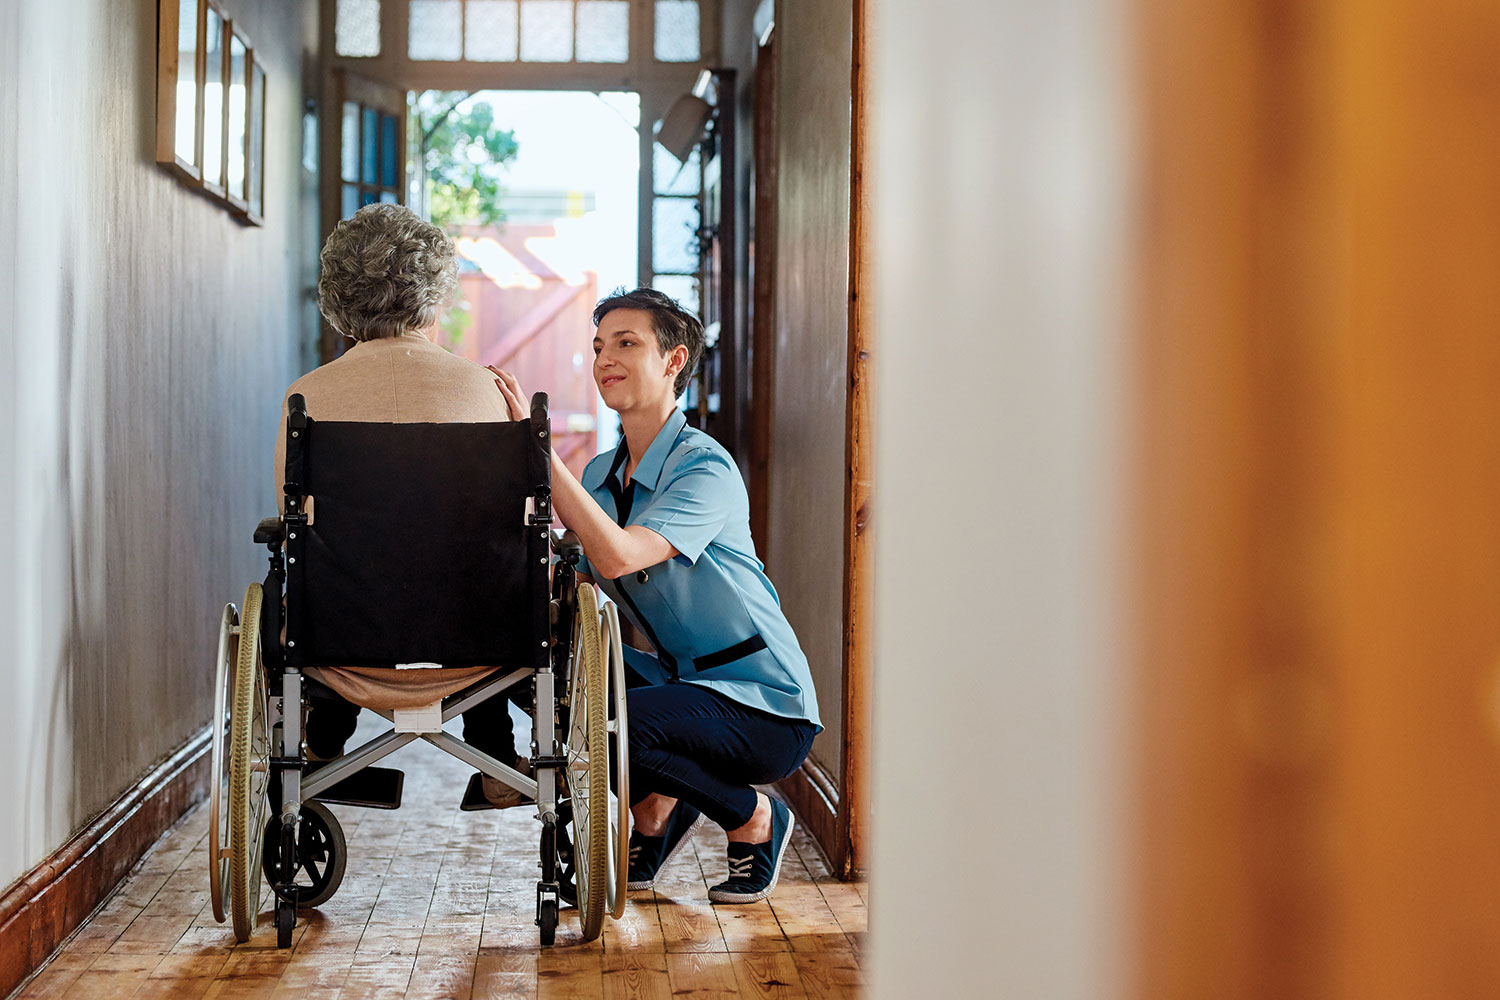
(356,28)
(238,81)
(388,198)
(546,30)
(674,228)
(367,198)
(490,31)
(350,170)
(682,287)
(367,139)
(603,31)
(670,177)
(388,157)
(436,29)
(350,203)
(213,100)
(186,146)
(256,174)
(677,30)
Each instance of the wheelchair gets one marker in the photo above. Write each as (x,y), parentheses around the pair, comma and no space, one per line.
(430,546)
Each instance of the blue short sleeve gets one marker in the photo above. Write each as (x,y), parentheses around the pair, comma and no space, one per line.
(691,507)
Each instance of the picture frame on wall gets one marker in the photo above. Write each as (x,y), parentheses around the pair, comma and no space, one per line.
(179,88)
(213,101)
(255,145)
(237,120)
(211,105)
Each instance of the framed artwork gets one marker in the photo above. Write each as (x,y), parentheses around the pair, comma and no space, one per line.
(179,88)
(255,146)
(237,121)
(215,53)
(211,105)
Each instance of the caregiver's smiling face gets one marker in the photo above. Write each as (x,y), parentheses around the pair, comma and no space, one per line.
(629,367)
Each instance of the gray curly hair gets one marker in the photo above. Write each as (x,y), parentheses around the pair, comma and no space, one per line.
(384,271)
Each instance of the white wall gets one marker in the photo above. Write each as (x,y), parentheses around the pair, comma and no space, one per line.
(147,341)
(1001,171)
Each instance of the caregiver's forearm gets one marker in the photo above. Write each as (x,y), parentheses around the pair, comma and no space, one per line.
(613,551)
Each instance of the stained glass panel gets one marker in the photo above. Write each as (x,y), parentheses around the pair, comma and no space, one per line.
(677,30)
(490,31)
(388,157)
(670,177)
(674,227)
(436,30)
(546,30)
(350,137)
(368,136)
(356,28)
(682,287)
(603,31)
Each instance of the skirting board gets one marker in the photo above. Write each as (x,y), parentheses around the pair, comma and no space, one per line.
(39,910)
(815,799)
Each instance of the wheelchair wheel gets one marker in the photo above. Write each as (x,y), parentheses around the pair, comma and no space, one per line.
(321,855)
(588,766)
(619,817)
(218,795)
(249,770)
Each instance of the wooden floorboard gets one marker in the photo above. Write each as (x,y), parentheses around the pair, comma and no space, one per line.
(438,903)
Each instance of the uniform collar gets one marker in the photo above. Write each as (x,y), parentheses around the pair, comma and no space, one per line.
(648,471)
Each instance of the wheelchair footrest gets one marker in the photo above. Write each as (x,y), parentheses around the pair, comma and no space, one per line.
(373,788)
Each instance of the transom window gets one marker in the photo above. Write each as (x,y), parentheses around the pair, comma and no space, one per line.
(526,31)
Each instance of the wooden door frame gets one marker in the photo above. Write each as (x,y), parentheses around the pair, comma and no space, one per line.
(838,815)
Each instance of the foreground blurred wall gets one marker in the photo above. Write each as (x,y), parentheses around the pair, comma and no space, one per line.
(1320,575)
(1001,170)
(148,338)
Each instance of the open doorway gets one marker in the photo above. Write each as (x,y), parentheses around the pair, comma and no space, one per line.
(540,191)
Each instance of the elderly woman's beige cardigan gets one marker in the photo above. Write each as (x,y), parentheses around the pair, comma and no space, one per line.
(403,380)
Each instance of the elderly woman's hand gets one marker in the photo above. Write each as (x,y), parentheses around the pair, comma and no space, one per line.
(518,401)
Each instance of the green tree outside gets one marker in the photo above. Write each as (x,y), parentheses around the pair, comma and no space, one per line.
(462,155)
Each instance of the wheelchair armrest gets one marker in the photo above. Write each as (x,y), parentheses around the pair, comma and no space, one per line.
(268,531)
(569,548)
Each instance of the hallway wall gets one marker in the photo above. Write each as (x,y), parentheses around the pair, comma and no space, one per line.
(1003,185)
(148,339)
(806,517)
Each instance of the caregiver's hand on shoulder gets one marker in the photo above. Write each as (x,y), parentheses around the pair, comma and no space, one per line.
(518,401)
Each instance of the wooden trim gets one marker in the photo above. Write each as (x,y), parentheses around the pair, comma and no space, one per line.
(848,851)
(814,798)
(39,910)
(762,268)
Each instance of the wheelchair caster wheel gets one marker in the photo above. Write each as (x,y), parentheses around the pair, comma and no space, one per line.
(286,919)
(321,856)
(547,919)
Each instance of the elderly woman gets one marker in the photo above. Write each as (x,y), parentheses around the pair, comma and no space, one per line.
(385,278)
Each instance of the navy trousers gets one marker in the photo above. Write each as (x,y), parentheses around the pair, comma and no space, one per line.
(688,742)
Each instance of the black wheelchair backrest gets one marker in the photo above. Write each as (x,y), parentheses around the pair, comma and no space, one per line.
(426,543)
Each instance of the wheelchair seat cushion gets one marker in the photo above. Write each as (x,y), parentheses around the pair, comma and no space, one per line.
(389,688)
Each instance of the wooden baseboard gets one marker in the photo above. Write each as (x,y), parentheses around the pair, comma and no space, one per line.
(39,910)
(815,799)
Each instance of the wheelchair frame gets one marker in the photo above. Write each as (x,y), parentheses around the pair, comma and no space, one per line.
(554,612)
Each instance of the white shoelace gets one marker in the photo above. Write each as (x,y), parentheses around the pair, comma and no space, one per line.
(741,868)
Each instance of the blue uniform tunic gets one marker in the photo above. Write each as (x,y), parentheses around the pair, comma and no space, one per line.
(712,615)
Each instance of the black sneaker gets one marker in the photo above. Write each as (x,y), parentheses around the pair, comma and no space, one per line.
(649,854)
(754,868)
